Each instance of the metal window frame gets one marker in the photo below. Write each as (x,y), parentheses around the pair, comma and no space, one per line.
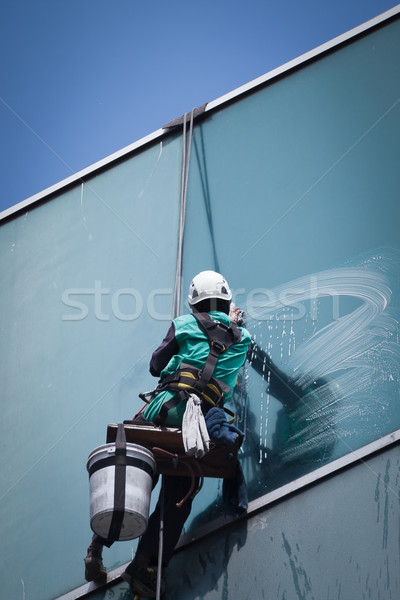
(317,476)
(235,94)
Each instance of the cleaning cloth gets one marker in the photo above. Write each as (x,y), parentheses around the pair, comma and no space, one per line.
(196,440)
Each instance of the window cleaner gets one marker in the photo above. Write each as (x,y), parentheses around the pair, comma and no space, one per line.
(201,354)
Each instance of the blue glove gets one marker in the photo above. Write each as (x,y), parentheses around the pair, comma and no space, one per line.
(215,418)
(219,429)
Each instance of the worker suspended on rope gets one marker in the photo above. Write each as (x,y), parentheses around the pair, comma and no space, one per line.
(200,357)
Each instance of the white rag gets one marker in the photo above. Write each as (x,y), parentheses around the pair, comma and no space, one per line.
(196,440)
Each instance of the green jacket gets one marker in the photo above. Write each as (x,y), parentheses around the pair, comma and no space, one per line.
(186,342)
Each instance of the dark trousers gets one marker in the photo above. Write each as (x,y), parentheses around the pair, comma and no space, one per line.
(175,489)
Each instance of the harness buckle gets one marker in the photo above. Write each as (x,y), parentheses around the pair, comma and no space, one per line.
(218,346)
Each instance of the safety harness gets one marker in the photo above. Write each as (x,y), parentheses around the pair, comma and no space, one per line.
(188,379)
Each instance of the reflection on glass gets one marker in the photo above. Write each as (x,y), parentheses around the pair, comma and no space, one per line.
(294,197)
(336,339)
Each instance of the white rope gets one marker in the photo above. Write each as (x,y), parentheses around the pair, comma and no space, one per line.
(186,150)
(176,306)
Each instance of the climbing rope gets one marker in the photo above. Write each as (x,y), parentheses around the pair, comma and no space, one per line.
(186,150)
(176,306)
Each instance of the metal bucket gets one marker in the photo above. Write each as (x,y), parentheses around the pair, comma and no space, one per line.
(121,481)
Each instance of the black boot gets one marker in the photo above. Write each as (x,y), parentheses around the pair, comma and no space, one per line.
(94,568)
(142,578)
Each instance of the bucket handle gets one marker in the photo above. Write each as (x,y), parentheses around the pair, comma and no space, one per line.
(120,441)
(119,484)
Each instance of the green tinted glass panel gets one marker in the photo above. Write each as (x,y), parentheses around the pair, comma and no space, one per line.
(86,295)
(294,197)
(338,539)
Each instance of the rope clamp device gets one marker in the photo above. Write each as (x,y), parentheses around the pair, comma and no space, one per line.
(218,346)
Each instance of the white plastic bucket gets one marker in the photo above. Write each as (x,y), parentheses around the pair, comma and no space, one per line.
(120,489)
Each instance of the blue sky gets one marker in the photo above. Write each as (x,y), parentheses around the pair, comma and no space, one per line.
(81,79)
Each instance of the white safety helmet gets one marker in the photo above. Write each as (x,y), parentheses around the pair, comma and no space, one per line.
(207,285)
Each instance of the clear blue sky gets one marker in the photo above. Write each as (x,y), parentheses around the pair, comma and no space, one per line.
(81,79)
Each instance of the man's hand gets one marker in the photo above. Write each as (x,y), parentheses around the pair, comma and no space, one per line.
(236,314)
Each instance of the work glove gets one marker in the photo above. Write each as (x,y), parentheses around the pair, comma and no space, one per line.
(220,430)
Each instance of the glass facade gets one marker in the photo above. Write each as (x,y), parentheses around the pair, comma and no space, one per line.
(294,196)
(87,282)
(339,539)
